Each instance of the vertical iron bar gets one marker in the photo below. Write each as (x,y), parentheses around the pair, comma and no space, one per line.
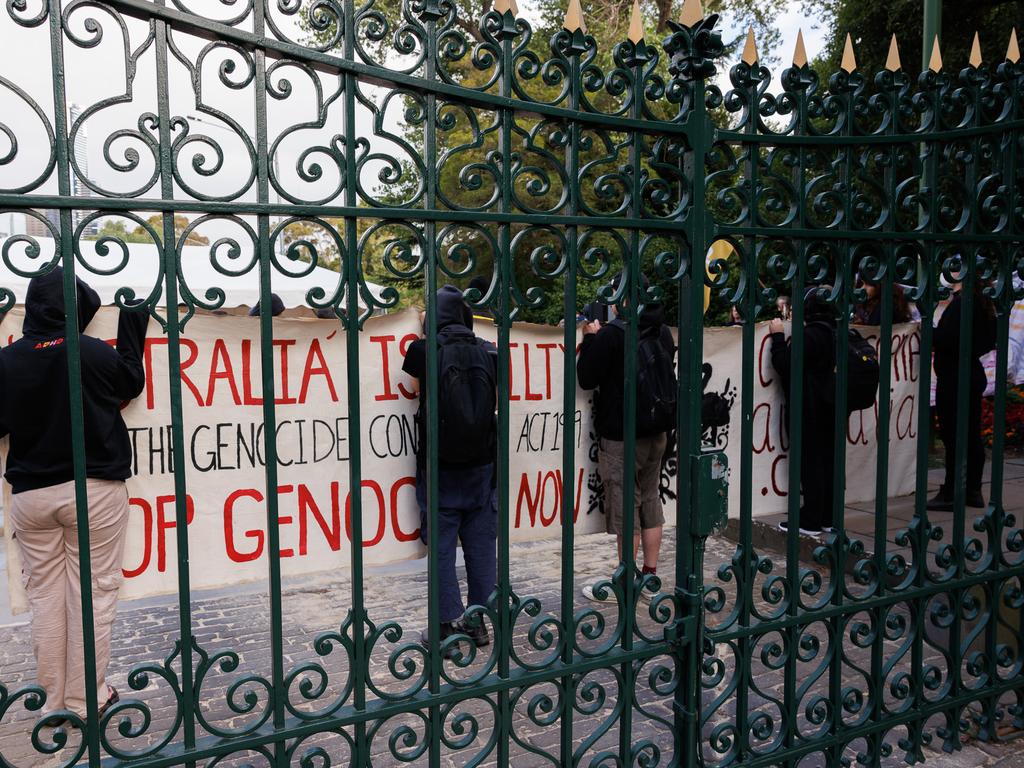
(796,420)
(927,286)
(433,470)
(504,631)
(169,251)
(73,351)
(568,585)
(881,532)
(688,576)
(360,656)
(630,303)
(267,368)
(930,27)
(751,302)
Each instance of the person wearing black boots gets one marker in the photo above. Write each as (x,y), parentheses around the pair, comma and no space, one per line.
(946,343)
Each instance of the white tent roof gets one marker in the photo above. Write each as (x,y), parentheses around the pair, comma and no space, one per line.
(141,271)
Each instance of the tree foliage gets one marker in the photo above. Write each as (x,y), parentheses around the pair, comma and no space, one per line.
(871,25)
(465,137)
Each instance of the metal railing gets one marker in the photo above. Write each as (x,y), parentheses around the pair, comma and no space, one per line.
(550,166)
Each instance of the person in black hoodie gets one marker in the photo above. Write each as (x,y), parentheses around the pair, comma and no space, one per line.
(35,412)
(818,431)
(601,366)
(946,343)
(468,374)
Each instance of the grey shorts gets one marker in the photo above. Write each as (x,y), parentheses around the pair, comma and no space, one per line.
(647,510)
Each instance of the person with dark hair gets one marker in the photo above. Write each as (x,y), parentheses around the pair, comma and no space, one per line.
(35,410)
(817,436)
(946,343)
(467,373)
(276,307)
(601,366)
(870,312)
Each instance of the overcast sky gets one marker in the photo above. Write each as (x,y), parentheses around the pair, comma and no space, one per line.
(98,72)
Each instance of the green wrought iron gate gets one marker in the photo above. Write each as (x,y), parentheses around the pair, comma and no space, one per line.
(548,167)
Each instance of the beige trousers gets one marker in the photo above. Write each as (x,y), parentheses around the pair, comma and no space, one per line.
(46,530)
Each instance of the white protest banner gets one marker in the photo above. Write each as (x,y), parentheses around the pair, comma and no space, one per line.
(222,425)
(722,352)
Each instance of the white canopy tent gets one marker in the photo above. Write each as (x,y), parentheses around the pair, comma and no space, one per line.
(142,268)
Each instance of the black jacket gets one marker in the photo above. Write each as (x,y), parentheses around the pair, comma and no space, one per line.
(35,393)
(601,366)
(946,339)
(819,361)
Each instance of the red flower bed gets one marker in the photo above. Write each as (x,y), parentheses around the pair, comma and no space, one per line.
(1014,418)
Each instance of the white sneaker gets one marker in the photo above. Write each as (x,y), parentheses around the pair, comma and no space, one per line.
(646,596)
(588,592)
(784,527)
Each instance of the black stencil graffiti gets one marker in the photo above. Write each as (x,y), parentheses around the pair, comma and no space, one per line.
(715,412)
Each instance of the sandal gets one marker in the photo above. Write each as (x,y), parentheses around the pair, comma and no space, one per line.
(112,699)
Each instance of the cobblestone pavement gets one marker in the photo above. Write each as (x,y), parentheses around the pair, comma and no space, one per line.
(239,621)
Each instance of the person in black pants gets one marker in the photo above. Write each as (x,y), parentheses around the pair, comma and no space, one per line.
(946,343)
(818,433)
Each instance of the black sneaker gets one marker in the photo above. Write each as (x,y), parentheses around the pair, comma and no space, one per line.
(476,630)
(940,502)
(976,500)
(448,629)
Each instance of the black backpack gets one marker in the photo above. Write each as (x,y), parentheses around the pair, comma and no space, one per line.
(466,398)
(656,385)
(863,373)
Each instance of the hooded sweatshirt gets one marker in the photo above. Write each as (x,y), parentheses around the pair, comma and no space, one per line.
(453,317)
(601,366)
(35,394)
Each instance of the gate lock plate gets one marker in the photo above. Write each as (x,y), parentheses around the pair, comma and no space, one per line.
(712,483)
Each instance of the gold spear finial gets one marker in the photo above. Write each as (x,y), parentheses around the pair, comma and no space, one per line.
(692,13)
(504,6)
(975,60)
(935,64)
(574,17)
(636,24)
(800,53)
(892,61)
(1013,50)
(750,49)
(849,63)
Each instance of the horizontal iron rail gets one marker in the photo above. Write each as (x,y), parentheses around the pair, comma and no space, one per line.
(878,235)
(822,742)
(212,30)
(214,746)
(847,139)
(916,595)
(242,208)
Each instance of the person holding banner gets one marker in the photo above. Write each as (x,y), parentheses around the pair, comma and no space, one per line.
(601,366)
(467,372)
(35,411)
